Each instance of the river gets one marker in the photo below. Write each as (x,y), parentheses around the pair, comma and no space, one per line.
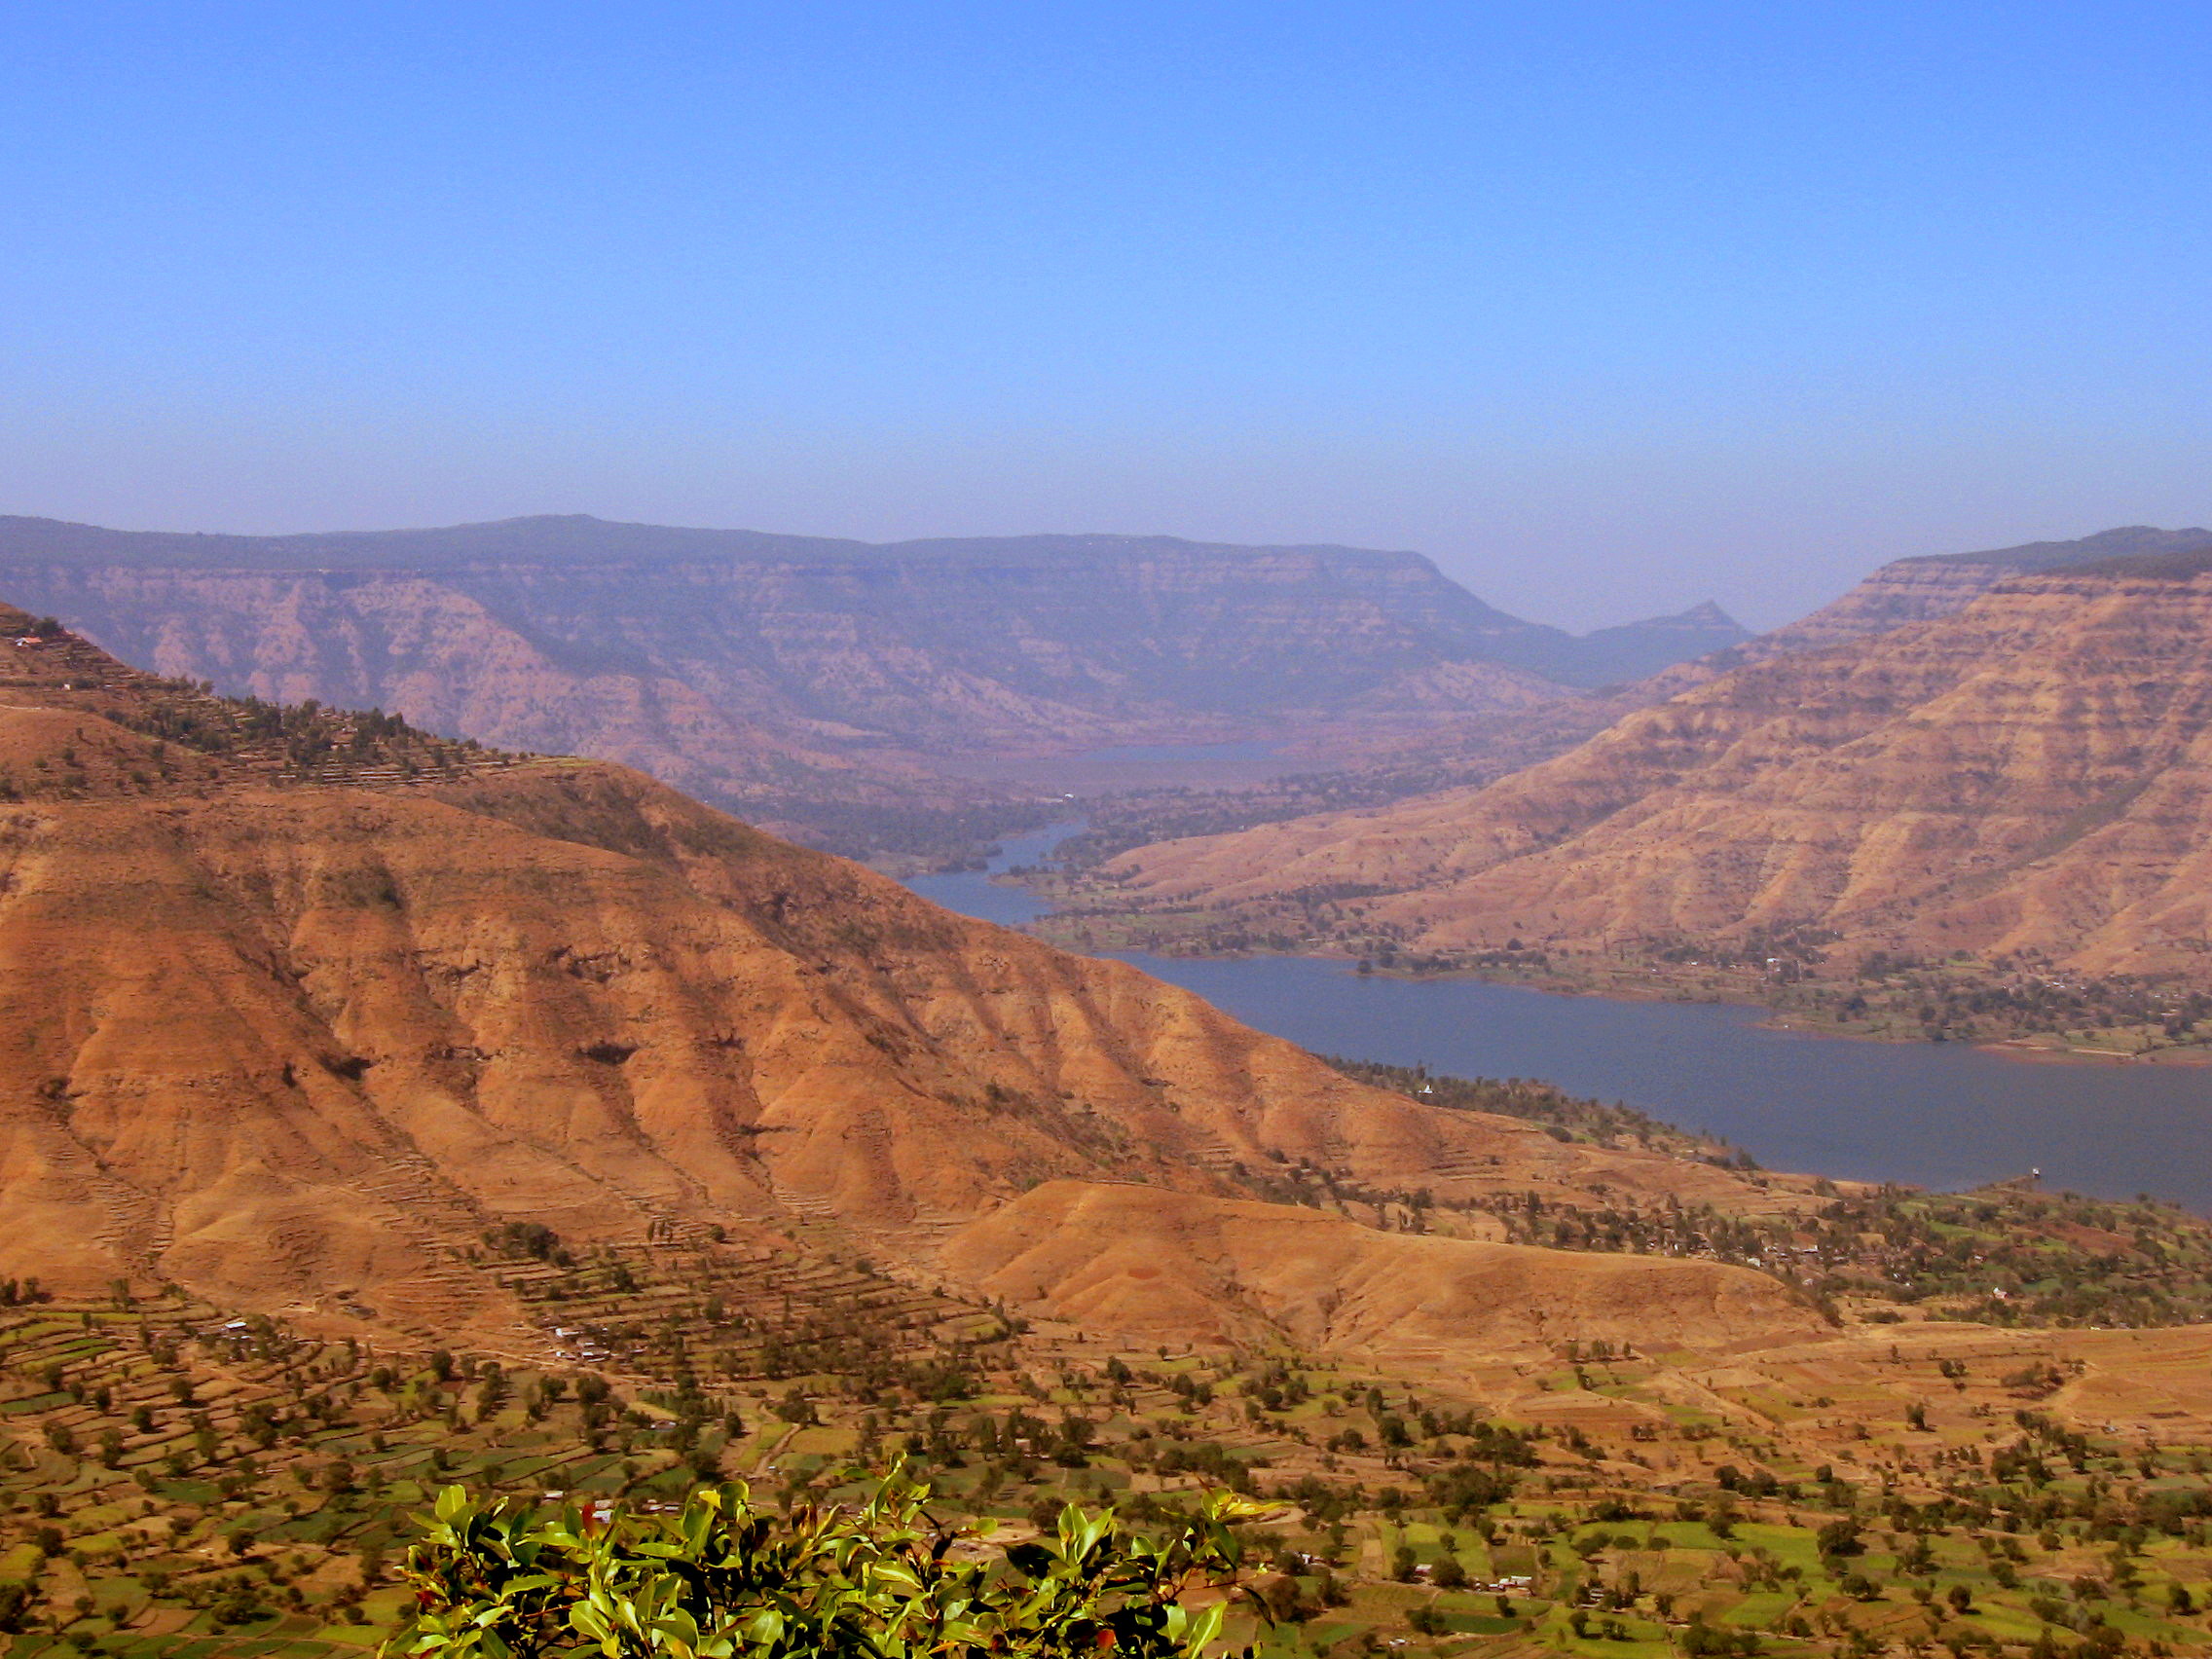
(1936,1115)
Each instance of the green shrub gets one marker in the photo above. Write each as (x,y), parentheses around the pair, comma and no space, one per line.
(722,1579)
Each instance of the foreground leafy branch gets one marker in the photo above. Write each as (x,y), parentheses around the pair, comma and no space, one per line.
(722,1579)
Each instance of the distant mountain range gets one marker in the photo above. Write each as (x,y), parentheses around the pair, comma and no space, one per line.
(790,677)
(1187,621)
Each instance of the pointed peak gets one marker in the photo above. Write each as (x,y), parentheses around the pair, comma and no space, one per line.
(1705,616)
(1708,612)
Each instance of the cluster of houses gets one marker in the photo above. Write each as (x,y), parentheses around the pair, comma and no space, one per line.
(1512,1585)
(587,1348)
(1516,1584)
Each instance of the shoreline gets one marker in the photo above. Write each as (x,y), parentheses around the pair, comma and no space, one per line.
(2026,1050)
(1729,1069)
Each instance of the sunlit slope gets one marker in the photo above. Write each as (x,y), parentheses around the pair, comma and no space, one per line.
(294,1025)
(2030,774)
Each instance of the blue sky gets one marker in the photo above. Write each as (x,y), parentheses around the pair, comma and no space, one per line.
(1609,308)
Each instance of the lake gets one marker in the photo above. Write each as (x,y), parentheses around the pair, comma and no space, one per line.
(1936,1115)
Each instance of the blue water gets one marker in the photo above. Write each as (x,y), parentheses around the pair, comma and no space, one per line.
(974,893)
(1936,1115)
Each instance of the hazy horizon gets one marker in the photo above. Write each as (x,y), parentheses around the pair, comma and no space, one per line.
(1606,313)
(1687,604)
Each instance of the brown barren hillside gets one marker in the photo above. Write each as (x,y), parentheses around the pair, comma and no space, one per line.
(1923,590)
(297,1004)
(2029,776)
(1151,1266)
(1470,749)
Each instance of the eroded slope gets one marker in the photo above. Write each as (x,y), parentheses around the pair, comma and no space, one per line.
(294,1023)
(2026,776)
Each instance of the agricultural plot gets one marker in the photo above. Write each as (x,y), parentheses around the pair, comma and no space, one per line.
(180,1482)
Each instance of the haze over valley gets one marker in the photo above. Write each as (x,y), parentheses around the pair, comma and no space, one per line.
(827,687)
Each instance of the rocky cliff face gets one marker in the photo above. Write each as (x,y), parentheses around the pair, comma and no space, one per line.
(1469,750)
(452,663)
(769,672)
(2028,775)
(1920,590)
(1037,642)
(297,1004)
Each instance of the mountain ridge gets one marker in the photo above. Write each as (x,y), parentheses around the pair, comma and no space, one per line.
(566,539)
(838,690)
(2022,780)
(1472,749)
(294,1015)
(1920,588)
